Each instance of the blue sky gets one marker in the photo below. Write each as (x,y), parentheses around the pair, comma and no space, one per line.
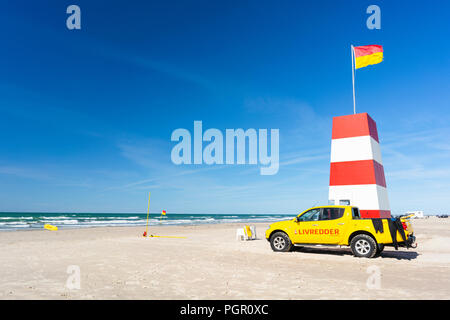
(86,115)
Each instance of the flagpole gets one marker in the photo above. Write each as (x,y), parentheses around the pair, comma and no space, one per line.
(353,79)
(148,212)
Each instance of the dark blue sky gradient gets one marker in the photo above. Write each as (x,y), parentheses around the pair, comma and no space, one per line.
(86,115)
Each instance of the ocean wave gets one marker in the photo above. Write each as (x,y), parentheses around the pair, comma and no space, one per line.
(116,221)
(55,218)
(84,220)
(62,221)
(122,218)
(13,226)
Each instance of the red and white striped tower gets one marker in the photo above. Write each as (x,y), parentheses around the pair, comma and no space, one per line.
(356,170)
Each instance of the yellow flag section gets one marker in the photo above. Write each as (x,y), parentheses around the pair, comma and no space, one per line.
(50,227)
(368,55)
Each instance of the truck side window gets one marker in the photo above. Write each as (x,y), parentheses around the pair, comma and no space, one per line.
(355,213)
(332,213)
(311,215)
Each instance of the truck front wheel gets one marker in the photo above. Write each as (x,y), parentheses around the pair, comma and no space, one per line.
(280,242)
(363,246)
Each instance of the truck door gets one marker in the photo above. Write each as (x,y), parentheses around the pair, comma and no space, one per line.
(332,225)
(305,227)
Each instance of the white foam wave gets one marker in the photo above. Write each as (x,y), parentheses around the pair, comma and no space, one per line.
(62,221)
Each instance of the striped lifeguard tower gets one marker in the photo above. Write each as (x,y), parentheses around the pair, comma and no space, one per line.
(356,169)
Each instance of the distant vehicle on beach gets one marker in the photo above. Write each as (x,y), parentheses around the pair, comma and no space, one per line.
(415,214)
(340,226)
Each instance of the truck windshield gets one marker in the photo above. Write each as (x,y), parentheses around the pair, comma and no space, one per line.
(311,215)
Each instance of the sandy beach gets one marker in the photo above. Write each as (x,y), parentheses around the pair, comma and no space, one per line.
(118,263)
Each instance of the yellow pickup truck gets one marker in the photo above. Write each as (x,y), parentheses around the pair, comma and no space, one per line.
(340,226)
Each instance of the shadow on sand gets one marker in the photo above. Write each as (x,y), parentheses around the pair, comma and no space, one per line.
(399,255)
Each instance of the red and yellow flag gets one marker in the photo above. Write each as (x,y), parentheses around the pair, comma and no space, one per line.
(367,55)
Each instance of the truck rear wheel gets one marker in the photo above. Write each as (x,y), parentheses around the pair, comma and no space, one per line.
(380,249)
(363,246)
(280,242)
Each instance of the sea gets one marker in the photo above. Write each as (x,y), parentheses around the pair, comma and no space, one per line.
(37,220)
